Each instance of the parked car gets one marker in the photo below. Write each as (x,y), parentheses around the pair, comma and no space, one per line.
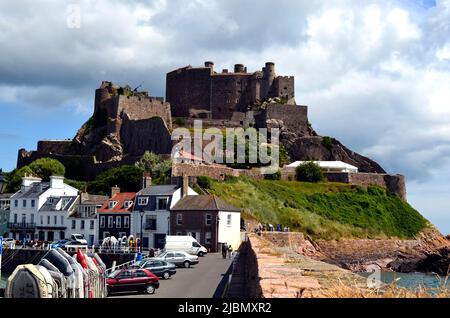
(179,258)
(8,242)
(59,244)
(158,267)
(184,243)
(78,238)
(125,280)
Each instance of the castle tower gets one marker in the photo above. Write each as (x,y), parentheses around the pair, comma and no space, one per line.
(239,68)
(210,65)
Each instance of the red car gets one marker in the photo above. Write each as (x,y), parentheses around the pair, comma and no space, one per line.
(126,280)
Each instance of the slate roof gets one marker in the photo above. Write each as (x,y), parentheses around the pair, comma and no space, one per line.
(203,203)
(159,190)
(93,199)
(34,191)
(51,207)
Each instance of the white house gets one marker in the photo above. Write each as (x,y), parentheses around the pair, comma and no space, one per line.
(154,203)
(26,203)
(84,218)
(51,223)
(328,166)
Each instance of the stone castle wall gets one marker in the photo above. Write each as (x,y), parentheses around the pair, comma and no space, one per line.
(295,118)
(53,146)
(203,93)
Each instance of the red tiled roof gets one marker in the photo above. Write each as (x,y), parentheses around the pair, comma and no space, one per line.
(121,198)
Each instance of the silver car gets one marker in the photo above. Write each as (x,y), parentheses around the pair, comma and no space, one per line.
(178,258)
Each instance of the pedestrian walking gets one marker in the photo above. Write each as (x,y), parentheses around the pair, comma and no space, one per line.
(224,250)
(230,251)
(151,253)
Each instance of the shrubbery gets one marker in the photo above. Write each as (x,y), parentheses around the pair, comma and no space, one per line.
(204,182)
(309,172)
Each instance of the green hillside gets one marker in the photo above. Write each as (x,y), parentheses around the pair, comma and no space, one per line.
(323,210)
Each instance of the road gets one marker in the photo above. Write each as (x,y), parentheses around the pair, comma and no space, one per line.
(199,281)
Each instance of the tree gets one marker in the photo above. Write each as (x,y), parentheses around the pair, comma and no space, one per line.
(159,169)
(15,178)
(46,167)
(204,182)
(127,177)
(309,172)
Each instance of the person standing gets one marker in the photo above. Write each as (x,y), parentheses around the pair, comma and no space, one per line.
(230,251)
(224,250)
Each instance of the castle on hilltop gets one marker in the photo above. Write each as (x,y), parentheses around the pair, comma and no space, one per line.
(126,122)
(200,92)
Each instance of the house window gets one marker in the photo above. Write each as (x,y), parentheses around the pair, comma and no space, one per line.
(24,218)
(162,203)
(118,222)
(126,222)
(48,219)
(82,225)
(228,219)
(42,220)
(24,203)
(208,219)
(32,218)
(74,224)
(55,219)
(128,204)
(92,225)
(33,203)
(142,201)
(105,234)
(16,203)
(112,204)
(62,220)
(150,222)
(179,219)
(208,237)
(102,221)
(110,221)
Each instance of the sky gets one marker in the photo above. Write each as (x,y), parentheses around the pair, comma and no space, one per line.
(375,74)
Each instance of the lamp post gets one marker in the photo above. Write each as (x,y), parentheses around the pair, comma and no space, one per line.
(168,225)
(142,217)
(3,182)
(217,233)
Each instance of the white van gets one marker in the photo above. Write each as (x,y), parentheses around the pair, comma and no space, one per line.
(184,243)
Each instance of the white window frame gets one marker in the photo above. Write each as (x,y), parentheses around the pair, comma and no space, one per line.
(179,218)
(208,237)
(112,204)
(110,221)
(91,224)
(142,200)
(74,224)
(229,219)
(162,198)
(103,221)
(126,221)
(118,222)
(206,219)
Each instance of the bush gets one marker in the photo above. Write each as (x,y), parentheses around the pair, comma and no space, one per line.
(46,167)
(15,178)
(327,142)
(159,169)
(273,176)
(309,172)
(204,182)
(127,177)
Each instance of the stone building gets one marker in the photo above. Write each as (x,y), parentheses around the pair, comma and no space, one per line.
(203,93)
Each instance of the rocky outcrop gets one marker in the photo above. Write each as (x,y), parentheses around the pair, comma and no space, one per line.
(429,252)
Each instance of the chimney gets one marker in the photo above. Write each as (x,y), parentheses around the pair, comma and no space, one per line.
(56,182)
(184,186)
(84,196)
(114,190)
(238,68)
(210,65)
(27,181)
(146,180)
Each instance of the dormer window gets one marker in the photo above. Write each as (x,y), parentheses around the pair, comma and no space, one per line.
(128,204)
(51,200)
(143,201)
(112,204)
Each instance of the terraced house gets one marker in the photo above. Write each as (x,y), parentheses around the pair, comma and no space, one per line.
(115,214)
(26,204)
(152,209)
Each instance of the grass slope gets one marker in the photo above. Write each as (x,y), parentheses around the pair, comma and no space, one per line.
(324,210)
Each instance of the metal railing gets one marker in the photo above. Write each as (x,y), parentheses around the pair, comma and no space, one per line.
(21,225)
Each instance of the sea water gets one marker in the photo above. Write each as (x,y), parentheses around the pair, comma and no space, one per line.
(413,280)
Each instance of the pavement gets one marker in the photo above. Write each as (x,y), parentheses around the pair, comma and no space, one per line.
(204,280)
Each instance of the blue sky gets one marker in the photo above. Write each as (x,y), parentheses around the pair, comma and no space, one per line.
(374,73)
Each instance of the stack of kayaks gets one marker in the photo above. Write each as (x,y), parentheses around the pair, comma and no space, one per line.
(59,275)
